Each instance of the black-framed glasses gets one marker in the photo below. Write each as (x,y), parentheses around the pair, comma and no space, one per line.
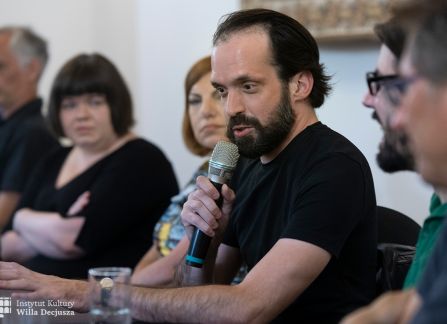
(375,81)
(395,89)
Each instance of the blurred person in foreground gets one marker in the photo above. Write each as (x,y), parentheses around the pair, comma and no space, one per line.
(303,215)
(394,152)
(93,203)
(420,92)
(24,136)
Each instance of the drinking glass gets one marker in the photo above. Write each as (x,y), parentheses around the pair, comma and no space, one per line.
(109,295)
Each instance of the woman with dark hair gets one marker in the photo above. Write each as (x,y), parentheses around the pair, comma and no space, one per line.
(93,203)
(204,125)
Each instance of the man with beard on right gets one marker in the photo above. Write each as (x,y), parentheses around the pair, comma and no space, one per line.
(385,98)
(394,153)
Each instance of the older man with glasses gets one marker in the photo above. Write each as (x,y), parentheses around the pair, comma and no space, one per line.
(385,92)
(420,92)
(423,115)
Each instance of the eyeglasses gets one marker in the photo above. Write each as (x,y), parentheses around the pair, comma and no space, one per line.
(395,89)
(374,81)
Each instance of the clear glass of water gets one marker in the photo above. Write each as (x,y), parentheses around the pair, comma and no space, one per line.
(109,295)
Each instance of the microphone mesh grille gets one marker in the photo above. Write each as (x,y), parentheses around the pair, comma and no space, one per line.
(225,153)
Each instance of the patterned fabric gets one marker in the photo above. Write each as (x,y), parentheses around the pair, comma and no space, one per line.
(169,230)
(426,241)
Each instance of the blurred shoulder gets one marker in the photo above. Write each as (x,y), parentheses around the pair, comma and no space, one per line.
(142,146)
(141,152)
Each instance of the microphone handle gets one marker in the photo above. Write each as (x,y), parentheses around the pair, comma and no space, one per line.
(200,242)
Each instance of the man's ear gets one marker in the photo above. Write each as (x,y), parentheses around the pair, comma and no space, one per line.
(33,70)
(301,85)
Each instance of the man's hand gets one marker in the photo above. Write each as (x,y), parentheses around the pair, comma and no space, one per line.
(36,286)
(201,210)
(387,309)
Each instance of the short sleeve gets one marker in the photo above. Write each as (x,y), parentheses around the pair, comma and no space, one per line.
(29,148)
(436,265)
(433,306)
(37,177)
(329,204)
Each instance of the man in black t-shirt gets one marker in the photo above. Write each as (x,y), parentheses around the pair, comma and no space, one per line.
(24,137)
(301,214)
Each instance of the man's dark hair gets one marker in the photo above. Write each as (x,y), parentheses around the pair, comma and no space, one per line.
(92,74)
(393,35)
(427,21)
(293,47)
(429,48)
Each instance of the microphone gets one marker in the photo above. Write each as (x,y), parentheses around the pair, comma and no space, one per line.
(222,163)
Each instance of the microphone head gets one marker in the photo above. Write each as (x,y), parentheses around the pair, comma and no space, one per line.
(223,161)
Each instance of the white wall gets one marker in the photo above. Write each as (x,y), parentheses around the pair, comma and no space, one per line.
(154,42)
(172,35)
(74,26)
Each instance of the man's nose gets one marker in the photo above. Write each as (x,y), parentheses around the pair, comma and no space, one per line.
(368,100)
(234,104)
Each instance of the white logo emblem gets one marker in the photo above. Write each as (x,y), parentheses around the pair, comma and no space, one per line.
(5,306)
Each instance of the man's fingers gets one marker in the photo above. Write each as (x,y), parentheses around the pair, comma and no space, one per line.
(200,203)
(229,196)
(191,217)
(19,284)
(204,184)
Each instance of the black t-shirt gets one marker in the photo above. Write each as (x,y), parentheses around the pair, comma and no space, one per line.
(319,189)
(24,139)
(129,190)
(433,284)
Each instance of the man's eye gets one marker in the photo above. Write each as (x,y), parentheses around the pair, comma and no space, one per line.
(249,87)
(221,91)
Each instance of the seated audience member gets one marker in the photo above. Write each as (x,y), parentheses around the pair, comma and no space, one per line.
(303,208)
(24,137)
(394,152)
(203,126)
(91,204)
(421,93)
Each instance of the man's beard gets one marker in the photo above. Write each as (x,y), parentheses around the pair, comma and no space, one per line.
(394,153)
(267,137)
